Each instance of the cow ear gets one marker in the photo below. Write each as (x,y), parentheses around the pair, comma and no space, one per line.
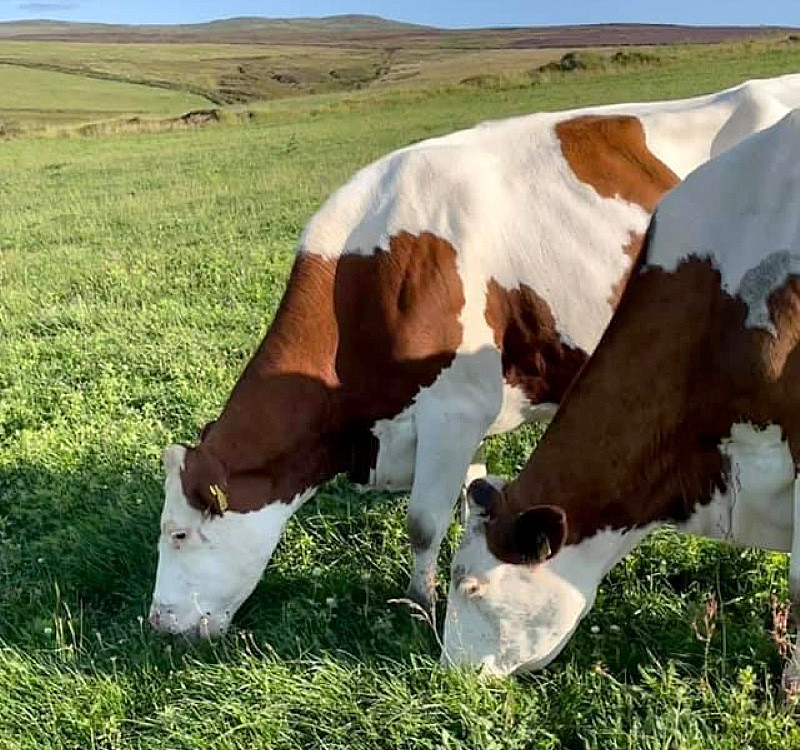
(535,535)
(205,481)
(206,429)
(173,458)
(482,494)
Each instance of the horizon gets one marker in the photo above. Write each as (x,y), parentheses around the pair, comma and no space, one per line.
(446,14)
(222,19)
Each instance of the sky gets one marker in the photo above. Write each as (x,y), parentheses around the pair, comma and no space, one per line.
(445,13)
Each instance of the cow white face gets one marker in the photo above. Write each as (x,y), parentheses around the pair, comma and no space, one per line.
(208,565)
(511,618)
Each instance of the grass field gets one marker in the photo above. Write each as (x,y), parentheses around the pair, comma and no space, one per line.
(29,97)
(138,272)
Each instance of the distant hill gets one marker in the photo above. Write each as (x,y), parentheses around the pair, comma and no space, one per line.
(244,30)
(374,31)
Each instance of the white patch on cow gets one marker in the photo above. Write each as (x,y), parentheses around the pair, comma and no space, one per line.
(701,128)
(452,418)
(477,467)
(756,510)
(207,565)
(755,208)
(514,618)
(517,409)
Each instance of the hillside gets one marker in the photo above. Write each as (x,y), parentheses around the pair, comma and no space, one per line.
(372,31)
(55,74)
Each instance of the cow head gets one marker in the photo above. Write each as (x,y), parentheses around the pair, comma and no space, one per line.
(513,607)
(210,558)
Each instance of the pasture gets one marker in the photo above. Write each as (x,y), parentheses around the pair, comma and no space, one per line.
(138,272)
(31,97)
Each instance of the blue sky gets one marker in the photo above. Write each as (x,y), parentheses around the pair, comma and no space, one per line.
(449,13)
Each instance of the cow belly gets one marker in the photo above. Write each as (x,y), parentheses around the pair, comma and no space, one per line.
(397,437)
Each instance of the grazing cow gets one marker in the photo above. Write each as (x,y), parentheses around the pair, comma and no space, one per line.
(687,413)
(449,290)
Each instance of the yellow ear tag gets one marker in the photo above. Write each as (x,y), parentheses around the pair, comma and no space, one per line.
(544,550)
(220,496)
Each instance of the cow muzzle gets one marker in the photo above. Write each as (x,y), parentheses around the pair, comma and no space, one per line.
(193,624)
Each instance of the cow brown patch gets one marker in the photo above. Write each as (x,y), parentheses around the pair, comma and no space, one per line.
(636,440)
(611,155)
(534,357)
(353,341)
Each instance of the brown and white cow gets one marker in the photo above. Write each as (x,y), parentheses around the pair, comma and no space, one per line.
(449,290)
(687,413)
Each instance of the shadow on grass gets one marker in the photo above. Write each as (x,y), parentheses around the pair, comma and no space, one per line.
(78,557)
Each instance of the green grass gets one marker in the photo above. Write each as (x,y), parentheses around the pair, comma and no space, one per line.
(30,96)
(138,272)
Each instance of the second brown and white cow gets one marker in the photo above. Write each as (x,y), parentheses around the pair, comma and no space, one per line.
(687,413)
(449,290)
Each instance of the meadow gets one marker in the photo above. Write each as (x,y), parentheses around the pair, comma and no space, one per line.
(138,272)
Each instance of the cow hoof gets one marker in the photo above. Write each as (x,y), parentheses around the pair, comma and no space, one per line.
(791,689)
(790,682)
(423,597)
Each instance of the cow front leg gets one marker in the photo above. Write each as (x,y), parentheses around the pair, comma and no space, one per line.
(447,439)
(791,672)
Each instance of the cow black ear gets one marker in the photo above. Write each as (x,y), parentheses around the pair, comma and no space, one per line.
(483,494)
(206,429)
(535,535)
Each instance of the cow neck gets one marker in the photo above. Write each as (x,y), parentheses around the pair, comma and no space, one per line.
(637,437)
(353,341)
(281,419)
